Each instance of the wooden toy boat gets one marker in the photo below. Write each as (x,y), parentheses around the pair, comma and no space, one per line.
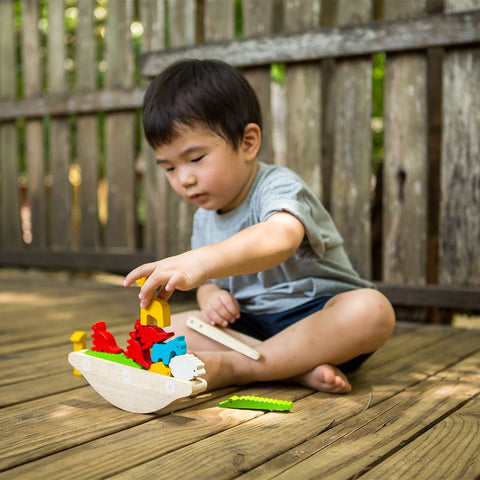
(133,389)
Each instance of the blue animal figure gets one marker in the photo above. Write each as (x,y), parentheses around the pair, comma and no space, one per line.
(164,352)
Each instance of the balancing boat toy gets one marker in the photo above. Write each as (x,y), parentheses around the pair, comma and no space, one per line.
(130,388)
(139,379)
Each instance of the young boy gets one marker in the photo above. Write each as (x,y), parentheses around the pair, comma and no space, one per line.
(266,257)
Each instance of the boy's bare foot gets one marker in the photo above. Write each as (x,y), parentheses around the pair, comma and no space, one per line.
(325,378)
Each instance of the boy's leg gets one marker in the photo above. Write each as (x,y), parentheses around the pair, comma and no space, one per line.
(351,324)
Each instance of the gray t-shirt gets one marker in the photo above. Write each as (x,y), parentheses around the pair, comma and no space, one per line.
(320,265)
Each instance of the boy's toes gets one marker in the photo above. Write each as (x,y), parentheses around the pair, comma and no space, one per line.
(327,378)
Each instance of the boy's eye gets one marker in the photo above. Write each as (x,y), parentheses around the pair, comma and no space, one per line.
(197,159)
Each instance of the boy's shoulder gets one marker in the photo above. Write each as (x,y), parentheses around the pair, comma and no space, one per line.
(270,174)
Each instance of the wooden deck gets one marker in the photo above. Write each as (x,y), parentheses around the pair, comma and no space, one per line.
(414,411)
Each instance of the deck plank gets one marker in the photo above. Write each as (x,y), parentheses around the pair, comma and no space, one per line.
(413,409)
(160,435)
(353,446)
(452,446)
(233,452)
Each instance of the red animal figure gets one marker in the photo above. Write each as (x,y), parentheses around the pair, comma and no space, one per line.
(103,340)
(150,334)
(137,352)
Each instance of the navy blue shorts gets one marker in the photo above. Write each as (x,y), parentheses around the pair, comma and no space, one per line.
(266,325)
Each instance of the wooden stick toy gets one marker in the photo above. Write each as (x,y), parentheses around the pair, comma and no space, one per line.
(221,336)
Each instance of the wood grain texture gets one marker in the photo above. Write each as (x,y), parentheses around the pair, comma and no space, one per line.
(120,230)
(406,162)
(459,259)
(352,146)
(34,144)
(258,19)
(10,233)
(416,394)
(433,31)
(303,100)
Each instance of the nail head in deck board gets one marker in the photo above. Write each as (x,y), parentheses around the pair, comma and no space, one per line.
(421,33)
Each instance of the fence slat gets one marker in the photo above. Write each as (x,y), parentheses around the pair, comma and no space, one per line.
(120,230)
(258,19)
(182,20)
(406,162)
(88,154)
(10,233)
(352,149)
(34,147)
(152,16)
(303,100)
(460,184)
(61,196)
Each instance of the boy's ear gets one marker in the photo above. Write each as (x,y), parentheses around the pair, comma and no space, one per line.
(252,139)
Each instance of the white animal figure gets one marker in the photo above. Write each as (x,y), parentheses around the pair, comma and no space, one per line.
(187,367)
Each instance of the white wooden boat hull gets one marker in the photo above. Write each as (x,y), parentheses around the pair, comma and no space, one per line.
(132,389)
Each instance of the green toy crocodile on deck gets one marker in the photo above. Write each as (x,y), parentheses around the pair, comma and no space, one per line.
(256,403)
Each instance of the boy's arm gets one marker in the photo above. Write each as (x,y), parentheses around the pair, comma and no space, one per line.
(254,249)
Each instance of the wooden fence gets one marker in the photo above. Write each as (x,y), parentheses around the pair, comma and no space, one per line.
(79,187)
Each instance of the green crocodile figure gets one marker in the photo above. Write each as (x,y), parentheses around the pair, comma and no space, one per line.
(256,403)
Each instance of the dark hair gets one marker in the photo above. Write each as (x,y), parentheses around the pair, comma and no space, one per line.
(199,93)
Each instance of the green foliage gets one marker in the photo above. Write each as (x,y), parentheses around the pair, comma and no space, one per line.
(277,73)
(378,74)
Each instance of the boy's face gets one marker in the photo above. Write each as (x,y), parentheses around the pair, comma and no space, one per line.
(206,170)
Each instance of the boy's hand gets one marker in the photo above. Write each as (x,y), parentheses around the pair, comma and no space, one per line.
(218,306)
(182,272)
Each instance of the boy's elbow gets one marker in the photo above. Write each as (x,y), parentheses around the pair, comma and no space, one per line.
(288,232)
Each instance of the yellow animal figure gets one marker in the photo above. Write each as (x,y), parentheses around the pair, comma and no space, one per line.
(161,369)
(158,310)
(79,340)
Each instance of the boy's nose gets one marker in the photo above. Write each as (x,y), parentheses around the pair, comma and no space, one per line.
(187,180)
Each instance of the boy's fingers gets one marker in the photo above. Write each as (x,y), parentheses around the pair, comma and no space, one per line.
(139,272)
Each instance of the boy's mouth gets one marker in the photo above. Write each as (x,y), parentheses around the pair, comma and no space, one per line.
(198,197)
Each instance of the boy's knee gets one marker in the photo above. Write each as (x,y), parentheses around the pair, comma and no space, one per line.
(379,313)
(370,310)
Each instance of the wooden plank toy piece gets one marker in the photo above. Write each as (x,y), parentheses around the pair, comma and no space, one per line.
(132,389)
(221,336)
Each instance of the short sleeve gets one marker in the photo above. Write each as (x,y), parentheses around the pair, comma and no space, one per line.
(283,190)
